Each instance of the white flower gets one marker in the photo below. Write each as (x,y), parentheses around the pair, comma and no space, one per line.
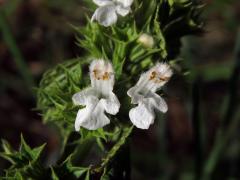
(107,12)
(146,40)
(143,94)
(98,98)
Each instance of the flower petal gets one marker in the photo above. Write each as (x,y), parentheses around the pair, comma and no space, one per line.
(141,116)
(158,102)
(134,94)
(123,11)
(80,98)
(112,104)
(102,76)
(125,3)
(102,2)
(84,115)
(105,15)
(92,117)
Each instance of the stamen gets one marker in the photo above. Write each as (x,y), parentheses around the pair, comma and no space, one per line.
(153,75)
(105,76)
(157,78)
(164,78)
(95,73)
(99,76)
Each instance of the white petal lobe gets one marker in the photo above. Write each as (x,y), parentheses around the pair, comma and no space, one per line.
(135,96)
(97,119)
(80,98)
(105,15)
(159,103)
(141,117)
(102,2)
(92,117)
(84,115)
(123,11)
(112,104)
(125,3)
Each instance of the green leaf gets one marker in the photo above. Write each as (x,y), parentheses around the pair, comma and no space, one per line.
(53,175)
(36,152)
(6,147)
(18,176)
(99,133)
(160,37)
(26,162)
(171,2)
(67,171)
(79,172)
(25,150)
(87,177)
(54,95)
(107,174)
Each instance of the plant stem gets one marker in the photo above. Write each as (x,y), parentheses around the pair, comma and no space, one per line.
(17,56)
(115,149)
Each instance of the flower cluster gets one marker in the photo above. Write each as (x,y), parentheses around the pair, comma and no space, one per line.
(99,98)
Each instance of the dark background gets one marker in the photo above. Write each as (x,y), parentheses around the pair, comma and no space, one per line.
(36,35)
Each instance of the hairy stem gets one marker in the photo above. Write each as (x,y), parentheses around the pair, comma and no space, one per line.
(115,149)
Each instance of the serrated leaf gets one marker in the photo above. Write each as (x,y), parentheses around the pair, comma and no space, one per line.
(25,162)
(36,152)
(67,171)
(55,93)
(25,150)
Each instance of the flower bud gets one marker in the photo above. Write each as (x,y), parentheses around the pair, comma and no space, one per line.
(146,40)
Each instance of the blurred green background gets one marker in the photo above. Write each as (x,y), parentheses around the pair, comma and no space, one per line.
(37,35)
